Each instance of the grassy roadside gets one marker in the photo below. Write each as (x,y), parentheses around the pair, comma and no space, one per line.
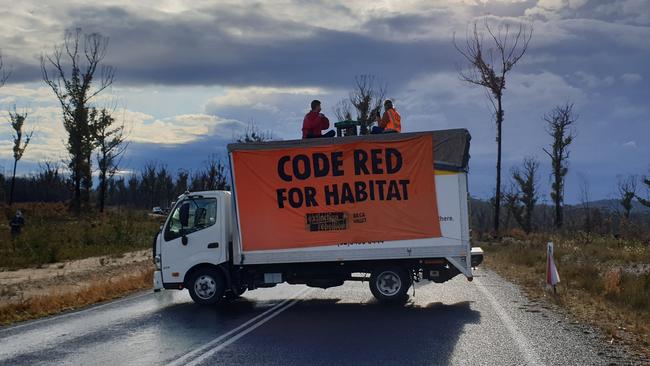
(604,281)
(94,292)
(52,235)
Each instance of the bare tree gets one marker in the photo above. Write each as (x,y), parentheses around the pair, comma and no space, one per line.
(367,98)
(164,187)
(148,186)
(526,184)
(342,110)
(511,203)
(213,177)
(645,202)
(488,68)
(82,54)
(182,182)
(253,134)
(17,120)
(585,203)
(559,126)
(110,142)
(4,74)
(626,193)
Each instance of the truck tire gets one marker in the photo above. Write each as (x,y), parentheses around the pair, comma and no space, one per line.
(390,284)
(206,286)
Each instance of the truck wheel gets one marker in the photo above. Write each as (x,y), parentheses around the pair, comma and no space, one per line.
(206,286)
(390,284)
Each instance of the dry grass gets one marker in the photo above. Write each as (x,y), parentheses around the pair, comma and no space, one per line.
(96,291)
(604,281)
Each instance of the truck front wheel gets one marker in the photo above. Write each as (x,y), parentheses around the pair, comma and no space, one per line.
(390,284)
(206,286)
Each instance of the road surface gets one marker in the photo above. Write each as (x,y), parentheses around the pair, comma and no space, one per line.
(484,322)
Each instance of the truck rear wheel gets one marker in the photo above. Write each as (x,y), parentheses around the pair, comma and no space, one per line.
(390,284)
(206,286)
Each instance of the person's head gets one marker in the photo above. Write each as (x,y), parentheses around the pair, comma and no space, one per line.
(19,213)
(388,104)
(315,105)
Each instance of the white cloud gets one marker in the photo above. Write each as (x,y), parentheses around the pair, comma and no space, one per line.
(48,141)
(279,110)
(177,129)
(631,78)
(256,97)
(35,94)
(630,144)
(594,81)
(555,8)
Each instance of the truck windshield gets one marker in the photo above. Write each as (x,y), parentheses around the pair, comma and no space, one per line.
(202,213)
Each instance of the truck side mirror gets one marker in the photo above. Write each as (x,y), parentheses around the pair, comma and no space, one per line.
(184,214)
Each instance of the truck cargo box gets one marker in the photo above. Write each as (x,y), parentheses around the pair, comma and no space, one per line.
(388,196)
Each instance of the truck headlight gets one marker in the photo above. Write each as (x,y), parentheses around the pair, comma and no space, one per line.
(157,262)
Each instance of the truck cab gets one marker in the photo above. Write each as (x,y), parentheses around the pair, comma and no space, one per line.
(196,234)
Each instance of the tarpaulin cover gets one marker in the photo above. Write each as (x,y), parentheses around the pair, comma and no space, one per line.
(347,193)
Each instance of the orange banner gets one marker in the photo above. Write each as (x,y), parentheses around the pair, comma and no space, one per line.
(340,194)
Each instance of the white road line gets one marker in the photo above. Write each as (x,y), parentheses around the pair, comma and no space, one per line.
(207,349)
(210,353)
(74,312)
(522,342)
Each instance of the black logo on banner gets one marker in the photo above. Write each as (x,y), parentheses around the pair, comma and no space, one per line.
(327,221)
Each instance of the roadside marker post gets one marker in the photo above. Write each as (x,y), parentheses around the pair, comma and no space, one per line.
(552,276)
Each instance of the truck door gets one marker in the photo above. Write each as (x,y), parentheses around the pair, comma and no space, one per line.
(193,234)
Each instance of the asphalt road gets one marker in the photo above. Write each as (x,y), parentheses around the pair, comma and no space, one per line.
(484,322)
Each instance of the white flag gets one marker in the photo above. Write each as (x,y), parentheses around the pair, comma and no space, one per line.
(552,277)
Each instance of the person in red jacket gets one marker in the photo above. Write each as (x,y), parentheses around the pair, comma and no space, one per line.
(315,122)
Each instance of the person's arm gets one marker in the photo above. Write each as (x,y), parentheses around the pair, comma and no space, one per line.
(383,122)
(324,122)
(305,128)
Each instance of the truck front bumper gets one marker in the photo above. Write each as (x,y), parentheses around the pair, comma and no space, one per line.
(157,281)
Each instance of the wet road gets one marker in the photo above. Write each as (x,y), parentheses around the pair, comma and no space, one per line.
(485,322)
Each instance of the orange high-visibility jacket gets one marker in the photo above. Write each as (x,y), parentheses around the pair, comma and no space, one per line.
(391,120)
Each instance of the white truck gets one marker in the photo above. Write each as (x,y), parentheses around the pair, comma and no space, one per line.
(389,209)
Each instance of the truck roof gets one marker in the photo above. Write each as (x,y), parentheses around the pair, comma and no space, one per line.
(450,147)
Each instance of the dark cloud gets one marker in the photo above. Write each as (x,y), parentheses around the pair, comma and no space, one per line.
(190,156)
(239,46)
(229,47)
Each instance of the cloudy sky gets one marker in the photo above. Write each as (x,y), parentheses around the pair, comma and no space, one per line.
(191,75)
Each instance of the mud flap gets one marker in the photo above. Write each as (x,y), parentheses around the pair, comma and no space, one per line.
(461,263)
(157,281)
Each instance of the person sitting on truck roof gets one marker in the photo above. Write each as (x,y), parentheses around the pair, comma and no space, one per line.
(315,122)
(390,122)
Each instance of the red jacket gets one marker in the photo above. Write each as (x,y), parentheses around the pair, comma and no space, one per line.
(313,124)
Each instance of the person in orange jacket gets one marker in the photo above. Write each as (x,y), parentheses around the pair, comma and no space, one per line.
(390,121)
(315,122)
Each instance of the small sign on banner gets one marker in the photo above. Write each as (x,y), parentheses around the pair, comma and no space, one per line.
(552,277)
